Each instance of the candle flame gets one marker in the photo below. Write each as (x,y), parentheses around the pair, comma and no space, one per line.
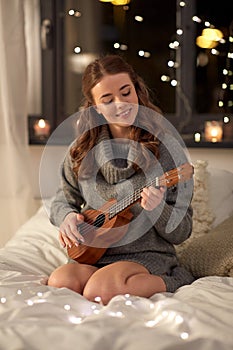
(42,123)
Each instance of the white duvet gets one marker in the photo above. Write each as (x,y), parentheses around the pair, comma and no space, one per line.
(35,316)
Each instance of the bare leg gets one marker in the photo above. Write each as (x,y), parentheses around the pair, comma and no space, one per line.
(73,276)
(120,278)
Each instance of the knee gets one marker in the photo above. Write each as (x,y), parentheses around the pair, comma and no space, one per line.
(55,279)
(63,277)
(104,289)
(93,292)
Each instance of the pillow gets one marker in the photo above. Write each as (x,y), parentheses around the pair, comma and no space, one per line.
(220,194)
(203,215)
(212,254)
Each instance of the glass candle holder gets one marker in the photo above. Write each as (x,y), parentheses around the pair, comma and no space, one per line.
(41,128)
(213,131)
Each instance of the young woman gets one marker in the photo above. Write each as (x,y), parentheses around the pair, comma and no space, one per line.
(121,144)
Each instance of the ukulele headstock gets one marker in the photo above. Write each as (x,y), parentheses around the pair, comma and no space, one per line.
(180,174)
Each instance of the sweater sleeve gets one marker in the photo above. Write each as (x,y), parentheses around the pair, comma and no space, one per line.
(175,223)
(68,197)
(172,219)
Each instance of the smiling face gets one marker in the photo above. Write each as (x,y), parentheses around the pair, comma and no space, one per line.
(115,97)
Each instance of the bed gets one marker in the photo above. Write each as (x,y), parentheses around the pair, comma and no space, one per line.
(197,316)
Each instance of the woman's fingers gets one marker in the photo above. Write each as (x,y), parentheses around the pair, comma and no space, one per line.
(68,232)
(152,197)
(61,239)
(65,240)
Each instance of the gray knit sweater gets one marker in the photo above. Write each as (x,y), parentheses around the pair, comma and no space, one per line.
(151,234)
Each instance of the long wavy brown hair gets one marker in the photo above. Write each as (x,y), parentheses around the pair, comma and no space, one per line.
(89,132)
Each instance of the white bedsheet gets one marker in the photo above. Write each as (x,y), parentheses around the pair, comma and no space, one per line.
(35,316)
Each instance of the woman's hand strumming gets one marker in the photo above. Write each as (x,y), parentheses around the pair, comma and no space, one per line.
(68,231)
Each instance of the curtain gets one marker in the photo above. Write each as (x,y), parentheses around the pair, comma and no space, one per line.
(16,80)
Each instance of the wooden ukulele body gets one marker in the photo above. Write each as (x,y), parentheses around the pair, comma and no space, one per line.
(99,232)
(103,227)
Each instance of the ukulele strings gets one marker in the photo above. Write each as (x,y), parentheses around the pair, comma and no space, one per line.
(131,198)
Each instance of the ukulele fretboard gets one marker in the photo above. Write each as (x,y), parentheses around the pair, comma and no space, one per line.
(124,203)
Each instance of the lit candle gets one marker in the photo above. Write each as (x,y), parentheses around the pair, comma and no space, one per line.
(213,131)
(41,128)
(197,137)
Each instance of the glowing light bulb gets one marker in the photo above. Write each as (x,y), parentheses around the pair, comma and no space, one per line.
(196,19)
(174,82)
(215,52)
(75,320)
(151,323)
(123,47)
(138,18)
(184,335)
(77,49)
(165,78)
(97,299)
(174,45)
(147,54)
(77,14)
(171,63)
(67,307)
(179,319)
(182,3)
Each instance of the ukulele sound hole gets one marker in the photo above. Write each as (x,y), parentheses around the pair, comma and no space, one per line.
(99,221)
(85,226)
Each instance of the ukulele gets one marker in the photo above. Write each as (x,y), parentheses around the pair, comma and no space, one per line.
(101,228)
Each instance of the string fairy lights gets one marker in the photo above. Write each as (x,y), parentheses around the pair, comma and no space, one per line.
(211,39)
(155,312)
(226,97)
(144,53)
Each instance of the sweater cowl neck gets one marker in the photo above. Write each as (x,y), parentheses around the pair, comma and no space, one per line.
(115,157)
